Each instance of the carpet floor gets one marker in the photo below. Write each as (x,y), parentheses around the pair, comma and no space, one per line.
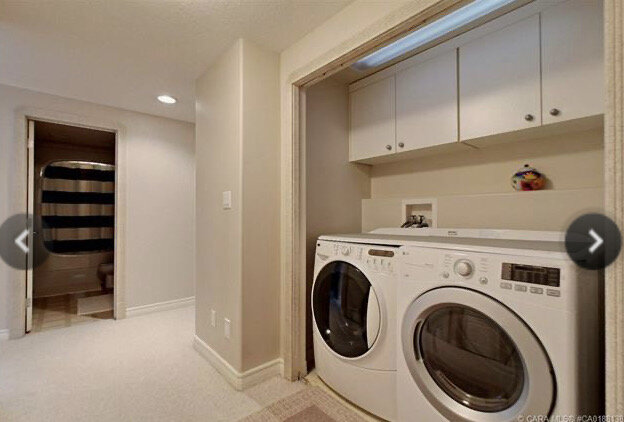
(138,369)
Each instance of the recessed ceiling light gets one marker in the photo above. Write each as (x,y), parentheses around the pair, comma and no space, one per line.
(167,99)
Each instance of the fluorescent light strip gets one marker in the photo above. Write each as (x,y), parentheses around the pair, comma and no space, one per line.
(451,22)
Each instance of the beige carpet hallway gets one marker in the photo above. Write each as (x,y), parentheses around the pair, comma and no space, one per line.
(138,369)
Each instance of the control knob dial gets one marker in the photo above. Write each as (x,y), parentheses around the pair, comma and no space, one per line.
(464,268)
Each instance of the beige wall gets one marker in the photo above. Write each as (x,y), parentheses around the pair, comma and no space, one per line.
(334,187)
(540,210)
(570,161)
(237,261)
(473,187)
(261,198)
(219,232)
(159,203)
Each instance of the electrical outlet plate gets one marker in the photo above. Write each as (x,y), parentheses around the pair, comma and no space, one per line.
(227,331)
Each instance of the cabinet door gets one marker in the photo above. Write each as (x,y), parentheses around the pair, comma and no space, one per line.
(572,60)
(372,131)
(426,103)
(499,81)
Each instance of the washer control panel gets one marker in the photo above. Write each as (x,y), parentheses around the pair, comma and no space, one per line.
(375,258)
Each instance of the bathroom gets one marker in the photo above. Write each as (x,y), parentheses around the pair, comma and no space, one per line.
(73,208)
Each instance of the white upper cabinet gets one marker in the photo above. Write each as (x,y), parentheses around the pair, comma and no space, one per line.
(499,81)
(572,60)
(426,103)
(538,65)
(372,131)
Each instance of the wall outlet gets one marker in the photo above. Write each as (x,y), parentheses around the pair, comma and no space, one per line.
(227,331)
(213,318)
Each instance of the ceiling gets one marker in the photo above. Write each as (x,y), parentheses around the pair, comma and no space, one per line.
(124,53)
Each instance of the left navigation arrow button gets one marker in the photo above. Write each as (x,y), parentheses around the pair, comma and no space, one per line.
(20,241)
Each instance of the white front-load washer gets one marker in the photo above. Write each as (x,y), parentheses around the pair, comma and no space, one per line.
(353,308)
(496,330)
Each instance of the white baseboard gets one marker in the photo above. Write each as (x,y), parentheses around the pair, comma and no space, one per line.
(160,306)
(4,334)
(239,380)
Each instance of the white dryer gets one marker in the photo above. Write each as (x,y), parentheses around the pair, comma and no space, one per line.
(493,330)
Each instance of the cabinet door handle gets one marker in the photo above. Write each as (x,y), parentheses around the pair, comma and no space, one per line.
(401,144)
(555,111)
(528,117)
(389,147)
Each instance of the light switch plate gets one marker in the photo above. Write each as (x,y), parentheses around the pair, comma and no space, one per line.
(227,332)
(213,317)
(227,200)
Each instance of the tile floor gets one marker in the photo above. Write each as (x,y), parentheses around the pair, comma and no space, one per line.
(61,311)
(137,369)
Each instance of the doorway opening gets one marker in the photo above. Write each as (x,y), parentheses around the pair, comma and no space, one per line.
(344,188)
(71,197)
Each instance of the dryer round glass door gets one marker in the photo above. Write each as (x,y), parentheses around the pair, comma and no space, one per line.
(346,309)
(474,359)
(471,358)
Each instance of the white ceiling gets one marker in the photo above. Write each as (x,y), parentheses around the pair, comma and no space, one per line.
(124,53)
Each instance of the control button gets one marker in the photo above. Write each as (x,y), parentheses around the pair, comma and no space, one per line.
(593,241)
(463,268)
(536,290)
(445,274)
(520,288)
(483,280)
(553,292)
(505,285)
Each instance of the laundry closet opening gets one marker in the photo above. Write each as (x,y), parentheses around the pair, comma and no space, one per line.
(72,201)
(439,133)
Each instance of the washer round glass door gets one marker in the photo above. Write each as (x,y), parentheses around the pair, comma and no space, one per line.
(346,309)
(474,359)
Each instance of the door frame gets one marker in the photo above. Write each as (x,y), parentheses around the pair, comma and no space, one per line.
(293,211)
(23,117)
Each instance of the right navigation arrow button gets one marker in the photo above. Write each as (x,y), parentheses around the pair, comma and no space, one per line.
(593,241)
(598,241)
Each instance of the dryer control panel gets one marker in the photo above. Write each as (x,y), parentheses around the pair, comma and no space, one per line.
(541,278)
